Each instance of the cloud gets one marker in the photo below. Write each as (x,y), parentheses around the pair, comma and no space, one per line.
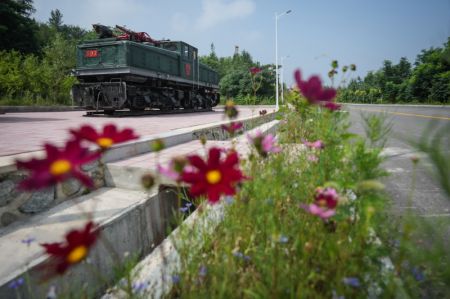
(219,11)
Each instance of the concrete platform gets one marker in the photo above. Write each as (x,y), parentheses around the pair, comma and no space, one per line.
(26,132)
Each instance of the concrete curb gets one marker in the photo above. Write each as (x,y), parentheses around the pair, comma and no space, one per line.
(20,109)
(398,105)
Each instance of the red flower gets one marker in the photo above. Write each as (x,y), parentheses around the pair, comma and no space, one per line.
(233,127)
(313,91)
(213,177)
(105,139)
(73,250)
(59,165)
(255,70)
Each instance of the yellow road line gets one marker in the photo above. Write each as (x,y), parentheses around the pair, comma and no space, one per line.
(407,114)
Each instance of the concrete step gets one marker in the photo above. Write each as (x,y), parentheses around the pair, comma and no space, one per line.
(131,221)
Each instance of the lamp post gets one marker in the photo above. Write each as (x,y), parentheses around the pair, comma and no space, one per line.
(282,78)
(277,16)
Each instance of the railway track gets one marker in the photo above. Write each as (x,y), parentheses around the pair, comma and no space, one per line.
(127,113)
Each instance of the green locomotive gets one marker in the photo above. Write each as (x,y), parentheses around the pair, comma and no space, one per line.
(133,71)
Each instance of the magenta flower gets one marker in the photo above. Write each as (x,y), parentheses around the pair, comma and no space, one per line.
(59,165)
(313,158)
(315,209)
(168,171)
(318,144)
(264,144)
(332,106)
(325,202)
(175,168)
(233,127)
(106,138)
(214,176)
(255,70)
(313,91)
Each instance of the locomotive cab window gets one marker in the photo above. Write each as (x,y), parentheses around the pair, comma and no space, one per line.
(185,50)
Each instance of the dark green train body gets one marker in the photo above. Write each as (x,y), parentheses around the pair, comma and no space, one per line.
(118,74)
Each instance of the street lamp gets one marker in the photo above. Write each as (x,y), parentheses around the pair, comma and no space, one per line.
(277,16)
(282,78)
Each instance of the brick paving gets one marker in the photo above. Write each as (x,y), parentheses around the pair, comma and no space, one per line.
(26,132)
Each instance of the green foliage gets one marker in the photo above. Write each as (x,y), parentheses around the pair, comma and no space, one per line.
(427,81)
(235,77)
(35,80)
(36,62)
(268,247)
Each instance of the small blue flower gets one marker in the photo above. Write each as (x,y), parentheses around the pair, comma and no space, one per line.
(188,204)
(240,255)
(229,200)
(418,274)
(15,284)
(203,271)
(283,239)
(176,279)
(139,287)
(28,241)
(184,209)
(351,281)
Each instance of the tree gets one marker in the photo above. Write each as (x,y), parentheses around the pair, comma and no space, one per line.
(55,20)
(17,29)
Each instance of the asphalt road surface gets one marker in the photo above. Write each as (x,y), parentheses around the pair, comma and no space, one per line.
(409,123)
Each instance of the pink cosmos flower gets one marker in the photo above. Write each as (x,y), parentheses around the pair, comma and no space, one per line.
(318,144)
(264,144)
(325,202)
(168,171)
(233,127)
(175,168)
(315,209)
(313,158)
(313,91)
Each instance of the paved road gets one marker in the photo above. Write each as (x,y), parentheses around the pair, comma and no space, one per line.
(26,132)
(409,123)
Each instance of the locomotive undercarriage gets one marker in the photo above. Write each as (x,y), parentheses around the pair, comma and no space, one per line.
(117,95)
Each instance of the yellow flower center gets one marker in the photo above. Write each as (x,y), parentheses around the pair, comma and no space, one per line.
(60,166)
(322,202)
(105,142)
(77,254)
(213,176)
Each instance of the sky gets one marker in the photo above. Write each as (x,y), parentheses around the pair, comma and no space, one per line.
(363,32)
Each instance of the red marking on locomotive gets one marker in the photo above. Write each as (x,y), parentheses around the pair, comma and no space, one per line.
(91,53)
(187,69)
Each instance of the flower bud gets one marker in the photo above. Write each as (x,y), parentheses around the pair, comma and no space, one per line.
(158,145)
(203,139)
(334,64)
(230,109)
(148,181)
